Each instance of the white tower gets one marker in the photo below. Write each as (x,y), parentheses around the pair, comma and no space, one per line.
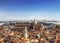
(35,21)
(26,35)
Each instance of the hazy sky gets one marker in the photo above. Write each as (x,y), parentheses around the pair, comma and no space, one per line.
(30,9)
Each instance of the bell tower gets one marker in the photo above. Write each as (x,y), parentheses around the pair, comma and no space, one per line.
(34,23)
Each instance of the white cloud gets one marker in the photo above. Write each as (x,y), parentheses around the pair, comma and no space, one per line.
(14,15)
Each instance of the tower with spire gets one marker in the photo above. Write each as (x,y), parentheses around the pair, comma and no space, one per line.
(26,35)
(34,23)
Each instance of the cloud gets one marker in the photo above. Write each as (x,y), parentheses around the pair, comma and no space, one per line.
(39,15)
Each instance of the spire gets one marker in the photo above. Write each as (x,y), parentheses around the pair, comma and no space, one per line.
(35,22)
(26,35)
